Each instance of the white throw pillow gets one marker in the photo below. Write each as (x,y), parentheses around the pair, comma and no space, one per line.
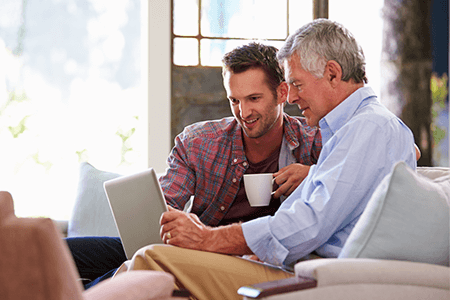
(407,218)
(91,214)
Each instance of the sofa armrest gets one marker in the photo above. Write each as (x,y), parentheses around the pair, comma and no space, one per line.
(347,273)
(269,288)
(329,272)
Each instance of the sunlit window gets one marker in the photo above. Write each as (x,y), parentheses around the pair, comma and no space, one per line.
(69,92)
(202,35)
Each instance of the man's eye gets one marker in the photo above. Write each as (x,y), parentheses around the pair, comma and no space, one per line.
(297,86)
(234,101)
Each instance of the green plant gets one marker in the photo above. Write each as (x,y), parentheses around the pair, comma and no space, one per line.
(19,128)
(46,164)
(125,135)
(15,98)
(82,155)
(439,92)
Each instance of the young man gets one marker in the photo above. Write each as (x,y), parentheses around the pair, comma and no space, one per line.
(325,74)
(210,158)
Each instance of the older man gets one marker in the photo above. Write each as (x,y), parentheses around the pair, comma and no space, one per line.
(362,140)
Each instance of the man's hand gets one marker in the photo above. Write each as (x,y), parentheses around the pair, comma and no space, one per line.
(185,230)
(289,178)
(252,257)
(418,153)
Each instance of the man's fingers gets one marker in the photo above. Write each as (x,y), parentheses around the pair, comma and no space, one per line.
(280,191)
(290,191)
(170,216)
(165,229)
(286,188)
(285,176)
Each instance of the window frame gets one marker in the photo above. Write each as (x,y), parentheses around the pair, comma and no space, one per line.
(157,80)
(199,37)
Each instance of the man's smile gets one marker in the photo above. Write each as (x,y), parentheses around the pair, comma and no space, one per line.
(250,122)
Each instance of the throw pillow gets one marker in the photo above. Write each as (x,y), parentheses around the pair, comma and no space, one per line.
(407,218)
(91,214)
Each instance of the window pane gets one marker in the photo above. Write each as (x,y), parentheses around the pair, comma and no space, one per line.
(300,13)
(185,17)
(185,52)
(70,93)
(212,50)
(244,18)
(370,38)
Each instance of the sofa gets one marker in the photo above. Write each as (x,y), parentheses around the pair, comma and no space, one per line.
(399,248)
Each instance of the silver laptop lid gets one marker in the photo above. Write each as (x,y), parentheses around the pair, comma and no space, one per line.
(137,203)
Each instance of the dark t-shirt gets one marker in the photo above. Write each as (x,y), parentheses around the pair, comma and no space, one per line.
(241,210)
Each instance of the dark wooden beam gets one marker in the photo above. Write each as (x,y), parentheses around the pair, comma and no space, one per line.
(320,9)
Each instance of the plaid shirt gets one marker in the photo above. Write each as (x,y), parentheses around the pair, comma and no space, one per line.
(209,161)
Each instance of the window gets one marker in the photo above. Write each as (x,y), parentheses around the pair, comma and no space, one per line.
(364,20)
(70,91)
(205,30)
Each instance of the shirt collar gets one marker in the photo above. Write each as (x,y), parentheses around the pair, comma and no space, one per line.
(288,132)
(340,115)
(238,154)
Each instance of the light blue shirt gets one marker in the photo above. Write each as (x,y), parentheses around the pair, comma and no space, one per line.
(362,141)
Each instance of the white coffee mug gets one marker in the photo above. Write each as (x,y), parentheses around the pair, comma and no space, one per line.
(258,188)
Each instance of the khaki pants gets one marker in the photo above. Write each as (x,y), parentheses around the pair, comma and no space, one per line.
(206,275)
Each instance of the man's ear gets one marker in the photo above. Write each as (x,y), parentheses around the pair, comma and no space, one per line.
(333,72)
(282,92)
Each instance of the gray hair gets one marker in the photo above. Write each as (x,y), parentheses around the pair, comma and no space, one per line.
(323,40)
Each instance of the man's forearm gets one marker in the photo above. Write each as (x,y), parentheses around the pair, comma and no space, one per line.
(227,240)
(186,230)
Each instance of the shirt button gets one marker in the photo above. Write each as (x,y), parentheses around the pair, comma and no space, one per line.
(234,180)
(222,208)
(235,160)
(245,163)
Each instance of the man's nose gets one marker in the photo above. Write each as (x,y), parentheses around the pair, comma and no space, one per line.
(292,95)
(245,110)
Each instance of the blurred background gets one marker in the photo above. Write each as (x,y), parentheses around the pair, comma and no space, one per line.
(113,82)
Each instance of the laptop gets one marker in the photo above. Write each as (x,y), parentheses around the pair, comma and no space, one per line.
(136,202)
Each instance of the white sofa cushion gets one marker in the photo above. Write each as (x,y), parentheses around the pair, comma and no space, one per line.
(433,172)
(91,215)
(407,218)
(332,272)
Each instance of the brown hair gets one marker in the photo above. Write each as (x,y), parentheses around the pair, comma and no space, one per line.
(255,55)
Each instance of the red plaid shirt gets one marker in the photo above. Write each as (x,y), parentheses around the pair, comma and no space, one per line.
(209,161)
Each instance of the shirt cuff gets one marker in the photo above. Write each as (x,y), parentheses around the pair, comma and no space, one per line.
(262,242)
